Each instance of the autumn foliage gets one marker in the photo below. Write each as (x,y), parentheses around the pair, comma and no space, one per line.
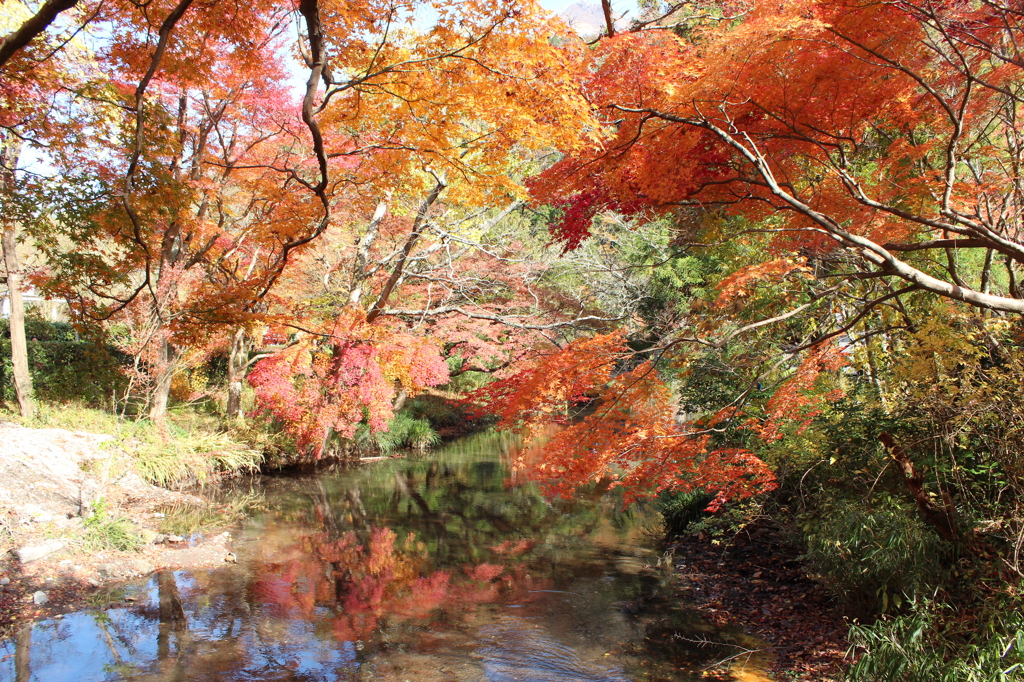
(883,129)
(631,433)
(331,383)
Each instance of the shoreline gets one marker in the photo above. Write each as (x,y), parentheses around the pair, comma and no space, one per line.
(67,500)
(756,582)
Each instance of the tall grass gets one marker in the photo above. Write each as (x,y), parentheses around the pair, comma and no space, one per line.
(175,460)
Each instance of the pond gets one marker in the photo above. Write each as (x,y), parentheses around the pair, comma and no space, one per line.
(444,568)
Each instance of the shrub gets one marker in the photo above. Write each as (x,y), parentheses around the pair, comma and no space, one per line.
(104,532)
(875,553)
(680,509)
(919,647)
(63,366)
(404,431)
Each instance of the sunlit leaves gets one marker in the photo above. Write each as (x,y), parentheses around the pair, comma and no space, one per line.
(324,385)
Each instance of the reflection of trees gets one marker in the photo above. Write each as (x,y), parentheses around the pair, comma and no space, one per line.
(172,622)
(362,556)
(459,506)
(23,654)
(400,539)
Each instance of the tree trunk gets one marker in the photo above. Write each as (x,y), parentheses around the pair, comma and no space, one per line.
(10,150)
(238,362)
(941,518)
(163,375)
(19,348)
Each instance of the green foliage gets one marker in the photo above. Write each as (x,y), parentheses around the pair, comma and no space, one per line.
(404,431)
(920,646)
(680,509)
(436,410)
(63,366)
(878,550)
(105,532)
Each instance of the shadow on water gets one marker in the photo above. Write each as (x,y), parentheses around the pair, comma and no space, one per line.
(445,568)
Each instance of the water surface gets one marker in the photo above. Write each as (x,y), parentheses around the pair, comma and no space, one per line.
(447,568)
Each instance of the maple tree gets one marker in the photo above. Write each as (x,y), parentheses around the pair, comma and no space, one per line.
(858,154)
(213,177)
(885,130)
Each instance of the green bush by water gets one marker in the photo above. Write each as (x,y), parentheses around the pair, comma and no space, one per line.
(105,532)
(680,509)
(404,431)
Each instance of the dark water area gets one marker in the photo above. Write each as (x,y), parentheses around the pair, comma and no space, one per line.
(445,568)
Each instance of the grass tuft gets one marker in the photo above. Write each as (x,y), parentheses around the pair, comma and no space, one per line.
(188,458)
(105,532)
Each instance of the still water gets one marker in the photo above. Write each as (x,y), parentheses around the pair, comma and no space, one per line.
(448,568)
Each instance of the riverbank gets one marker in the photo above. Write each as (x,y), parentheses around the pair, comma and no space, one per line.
(75,521)
(756,581)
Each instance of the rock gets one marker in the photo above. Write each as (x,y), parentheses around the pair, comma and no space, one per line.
(30,553)
(5,581)
(148,536)
(174,538)
(143,567)
(39,598)
(44,518)
(231,558)
(105,571)
(94,582)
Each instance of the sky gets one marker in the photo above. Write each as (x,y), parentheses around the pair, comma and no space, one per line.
(556,6)
(620,6)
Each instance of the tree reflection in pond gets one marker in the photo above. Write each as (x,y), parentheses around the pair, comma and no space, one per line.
(447,568)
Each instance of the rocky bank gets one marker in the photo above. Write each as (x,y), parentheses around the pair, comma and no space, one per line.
(51,481)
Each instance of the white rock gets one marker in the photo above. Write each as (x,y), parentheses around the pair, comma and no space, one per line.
(30,553)
(40,598)
(5,581)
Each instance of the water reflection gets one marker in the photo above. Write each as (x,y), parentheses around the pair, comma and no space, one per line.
(442,569)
